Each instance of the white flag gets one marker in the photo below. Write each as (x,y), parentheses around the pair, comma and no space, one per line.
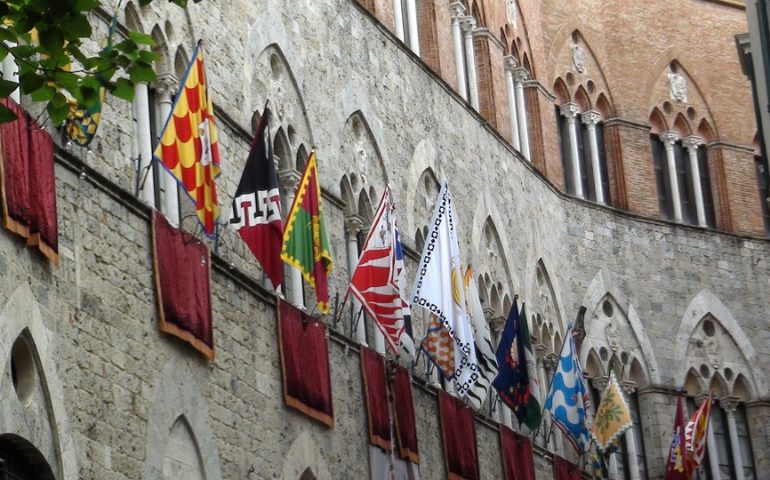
(485,353)
(439,290)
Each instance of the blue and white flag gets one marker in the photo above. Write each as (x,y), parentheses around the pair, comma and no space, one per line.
(568,399)
(406,345)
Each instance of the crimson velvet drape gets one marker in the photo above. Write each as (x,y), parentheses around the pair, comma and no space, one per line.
(516,451)
(28,187)
(376,395)
(564,470)
(403,407)
(307,384)
(459,435)
(182,271)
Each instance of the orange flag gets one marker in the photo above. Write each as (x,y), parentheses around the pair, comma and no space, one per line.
(188,146)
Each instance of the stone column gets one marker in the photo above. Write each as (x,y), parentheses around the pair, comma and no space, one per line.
(729,404)
(759,430)
(669,139)
(144,140)
(570,112)
(398,20)
(520,75)
(591,119)
(469,25)
(414,34)
(692,143)
(656,407)
(353,225)
(458,12)
(289,179)
(11,72)
(633,466)
(711,447)
(167,84)
(509,64)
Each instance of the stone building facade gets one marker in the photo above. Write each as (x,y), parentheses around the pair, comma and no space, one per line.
(600,153)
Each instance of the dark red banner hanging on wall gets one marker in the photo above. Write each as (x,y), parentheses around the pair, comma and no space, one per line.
(305,364)
(376,395)
(28,186)
(458,431)
(564,470)
(182,268)
(516,451)
(403,408)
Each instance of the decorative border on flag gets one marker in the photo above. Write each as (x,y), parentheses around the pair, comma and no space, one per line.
(168,327)
(298,196)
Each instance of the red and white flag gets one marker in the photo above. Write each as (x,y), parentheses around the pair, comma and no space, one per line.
(695,434)
(374,282)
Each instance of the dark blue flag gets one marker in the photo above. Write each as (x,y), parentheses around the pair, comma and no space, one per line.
(515,379)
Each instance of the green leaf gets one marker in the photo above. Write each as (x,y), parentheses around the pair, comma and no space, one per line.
(141,38)
(52,39)
(127,46)
(7,35)
(148,56)
(7,87)
(6,114)
(124,88)
(43,94)
(141,72)
(30,81)
(86,5)
(58,113)
(23,51)
(59,100)
(77,26)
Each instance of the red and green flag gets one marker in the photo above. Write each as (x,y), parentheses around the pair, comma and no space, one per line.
(305,243)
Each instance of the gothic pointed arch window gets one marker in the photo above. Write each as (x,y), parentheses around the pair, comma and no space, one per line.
(182,458)
(680,131)
(582,107)
(718,367)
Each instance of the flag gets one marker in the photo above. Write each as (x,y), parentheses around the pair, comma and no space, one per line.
(677,467)
(256,208)
(516,381)
(188,146)
(612,416)
(695,433)
(568,399)
(438,289)
(305,243)
(81,123)
(399,274)
(485,354)
(373,282)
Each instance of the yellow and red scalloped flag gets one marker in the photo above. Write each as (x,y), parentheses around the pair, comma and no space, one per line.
(188,146)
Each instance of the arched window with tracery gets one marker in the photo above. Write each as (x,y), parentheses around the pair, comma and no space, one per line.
(680,131)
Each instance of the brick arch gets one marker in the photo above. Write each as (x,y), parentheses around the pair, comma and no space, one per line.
(562,40)
(517,35)
(696,98)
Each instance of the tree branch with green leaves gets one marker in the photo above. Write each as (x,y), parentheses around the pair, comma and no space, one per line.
(46,39)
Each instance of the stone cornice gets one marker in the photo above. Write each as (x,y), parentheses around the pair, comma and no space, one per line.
(485,33)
